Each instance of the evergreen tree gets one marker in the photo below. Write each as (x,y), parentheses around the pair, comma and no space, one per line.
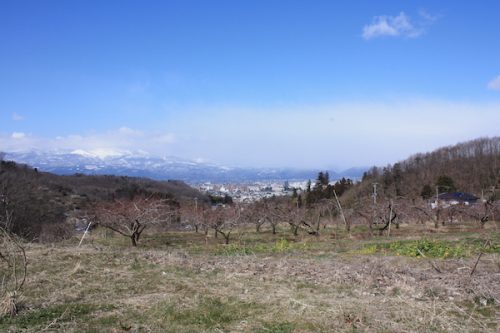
(322,180)
(299,201)
(445,184)
(309,194)
(343,185)
(426,192)
(397,176)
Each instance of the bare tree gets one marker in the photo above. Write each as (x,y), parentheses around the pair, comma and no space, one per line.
(255,213)
(296,217)
(13,261)
(192,214)
(481,212)
(130,218)
(13,269)
(208,217)
(386,218)
(224,219)
(379,216)
(273,213)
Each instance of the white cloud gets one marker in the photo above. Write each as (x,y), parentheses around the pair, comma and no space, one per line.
(123,140)
(18,135)
(397,26)
(165,138)
(429,18)
(17,117)
(128,131)
(494,84)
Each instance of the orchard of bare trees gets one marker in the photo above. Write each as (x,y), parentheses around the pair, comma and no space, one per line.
(412,199)
(37,206)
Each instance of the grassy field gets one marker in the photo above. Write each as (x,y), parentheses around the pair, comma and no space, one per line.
(414,281)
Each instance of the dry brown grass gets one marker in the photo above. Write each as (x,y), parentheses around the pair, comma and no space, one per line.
(185,287)
(10,303)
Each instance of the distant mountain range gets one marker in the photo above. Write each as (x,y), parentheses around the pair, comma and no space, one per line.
(161,168)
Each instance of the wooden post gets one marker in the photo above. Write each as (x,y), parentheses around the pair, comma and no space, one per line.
(348,228)
(85,233)
(390,219)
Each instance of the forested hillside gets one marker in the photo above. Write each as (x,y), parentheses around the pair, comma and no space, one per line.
(472,166)
(39,202)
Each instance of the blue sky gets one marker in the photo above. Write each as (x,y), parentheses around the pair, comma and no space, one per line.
(250,83)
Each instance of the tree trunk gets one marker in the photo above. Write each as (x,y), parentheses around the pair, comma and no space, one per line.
(436,223)
(318,224)
(134,241)
(274,228)
(484,219)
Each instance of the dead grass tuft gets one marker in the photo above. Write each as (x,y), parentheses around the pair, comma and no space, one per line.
(10,304)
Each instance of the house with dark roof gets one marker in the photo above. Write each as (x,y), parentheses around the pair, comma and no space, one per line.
(454,198)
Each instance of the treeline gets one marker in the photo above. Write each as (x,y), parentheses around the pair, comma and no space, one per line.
(35,205)
(323,189)
(472,166)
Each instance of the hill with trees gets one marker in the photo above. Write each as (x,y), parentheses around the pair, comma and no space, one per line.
(472,166)
(38,202)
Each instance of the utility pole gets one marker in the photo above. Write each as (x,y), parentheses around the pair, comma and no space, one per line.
(196,208)
(196,221)
(375,193)
(436,224)
(493,194)
(374,205)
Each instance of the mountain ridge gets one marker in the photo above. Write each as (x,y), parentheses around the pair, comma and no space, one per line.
(141,164)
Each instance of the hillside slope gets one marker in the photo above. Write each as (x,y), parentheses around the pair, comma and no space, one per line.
(472,166)
(40,201)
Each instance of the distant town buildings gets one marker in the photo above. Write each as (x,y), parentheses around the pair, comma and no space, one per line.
(252,191)
(249,192)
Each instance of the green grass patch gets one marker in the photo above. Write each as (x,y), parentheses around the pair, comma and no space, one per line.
(281,327)
(431,248)
(281,245)
(482,308)
(42,317)
(234,250)
(209,313)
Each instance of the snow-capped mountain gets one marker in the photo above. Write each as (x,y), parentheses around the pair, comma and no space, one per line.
(141,164)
